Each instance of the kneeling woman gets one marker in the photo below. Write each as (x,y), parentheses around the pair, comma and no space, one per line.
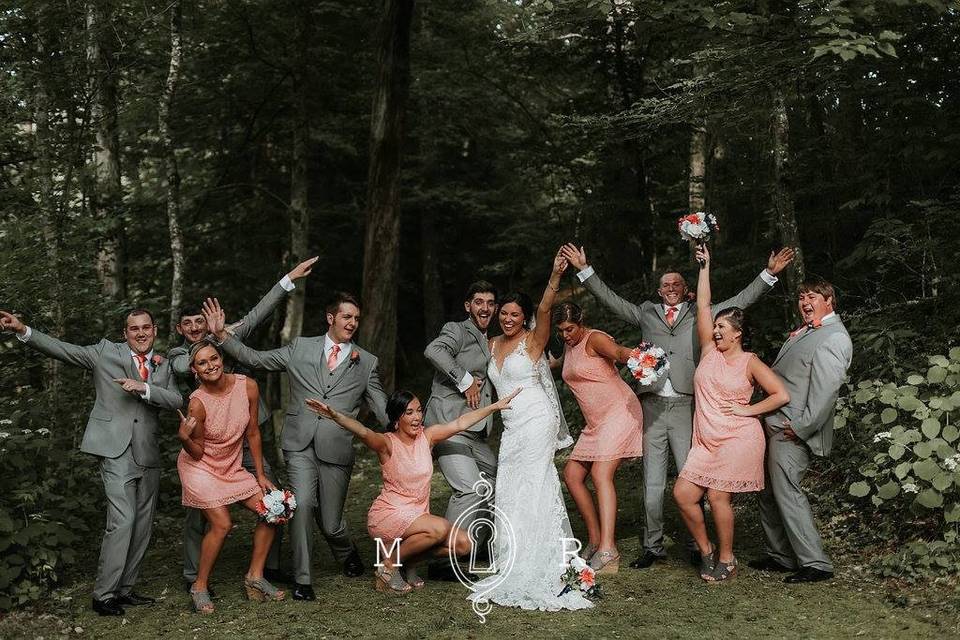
(726,456)
(402,510)
(222,411)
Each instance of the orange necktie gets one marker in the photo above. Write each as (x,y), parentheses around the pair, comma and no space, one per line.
(332,358)
(142,366)
(671,314)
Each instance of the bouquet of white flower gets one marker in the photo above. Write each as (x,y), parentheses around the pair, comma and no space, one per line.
(277,506)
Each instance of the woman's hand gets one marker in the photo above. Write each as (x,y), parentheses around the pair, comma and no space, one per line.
(560,262)
(320,408)
(703,255)
(504,403)
(736,409)
(187,425)
(265,484)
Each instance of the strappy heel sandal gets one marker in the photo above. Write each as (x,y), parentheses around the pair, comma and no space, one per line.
(708,562)
(410,577)
(605,562)
(386,581)
(723,572)
(588,552)
(201,601)
(261,590)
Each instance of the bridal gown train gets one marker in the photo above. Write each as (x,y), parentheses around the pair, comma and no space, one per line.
(528,492)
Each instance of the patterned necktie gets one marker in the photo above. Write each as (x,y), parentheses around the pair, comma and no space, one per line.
(671,314)
(332,358)
(142,366)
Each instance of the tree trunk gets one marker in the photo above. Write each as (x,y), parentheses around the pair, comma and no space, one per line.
(381,258)
(784,214)
(433,313)
(106,197)
(170,165)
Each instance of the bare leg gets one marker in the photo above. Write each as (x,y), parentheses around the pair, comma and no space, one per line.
(688,497)
(220,524)
(723,518)
(574,476)
(420,538)
(263,535)
(602,474)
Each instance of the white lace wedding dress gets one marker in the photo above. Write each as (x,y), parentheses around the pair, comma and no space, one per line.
(528,493)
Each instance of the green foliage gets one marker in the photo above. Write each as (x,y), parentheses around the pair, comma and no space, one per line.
(910,462)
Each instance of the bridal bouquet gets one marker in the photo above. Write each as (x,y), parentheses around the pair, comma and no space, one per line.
(277,506)
(580,576)
(648,363)
(697,227)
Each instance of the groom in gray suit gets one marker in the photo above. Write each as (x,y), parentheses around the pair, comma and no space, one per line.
(131,384)
(193,327)
(668,408)
(318,453)
(460,355)
(813,363)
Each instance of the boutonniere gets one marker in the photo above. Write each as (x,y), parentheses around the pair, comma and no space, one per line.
(354,357)
(157,360)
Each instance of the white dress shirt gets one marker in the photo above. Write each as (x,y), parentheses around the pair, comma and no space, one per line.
(345,348)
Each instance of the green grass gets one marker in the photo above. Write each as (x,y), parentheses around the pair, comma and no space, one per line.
(667,601)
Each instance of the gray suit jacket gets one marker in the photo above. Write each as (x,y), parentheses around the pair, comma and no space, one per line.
(679,341)
(459,348)
(813,365)
(118,419)
(344,388)
(179,356)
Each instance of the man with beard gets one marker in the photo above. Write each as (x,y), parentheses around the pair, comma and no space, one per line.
(460,355)
(132,384)
(668,407)
(193,327)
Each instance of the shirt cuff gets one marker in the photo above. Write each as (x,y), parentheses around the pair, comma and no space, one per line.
(25,336)
(585,273)
(465,382)
(287,283)
(769,278)
(146,393)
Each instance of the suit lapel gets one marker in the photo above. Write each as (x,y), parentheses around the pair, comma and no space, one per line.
(658,309)
(341,371)
(319,362)
(129,364)
(479,337)
(791,342)
(680,314)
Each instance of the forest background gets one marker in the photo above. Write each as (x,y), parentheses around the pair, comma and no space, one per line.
(155,153)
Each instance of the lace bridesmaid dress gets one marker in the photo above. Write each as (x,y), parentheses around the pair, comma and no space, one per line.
(612,411)
(406,488)
(218,478)
(727,451)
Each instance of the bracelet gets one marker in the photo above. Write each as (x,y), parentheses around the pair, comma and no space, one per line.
(552,288)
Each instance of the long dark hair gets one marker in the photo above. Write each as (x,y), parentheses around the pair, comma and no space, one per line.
(396,405)
(737,318)
(525,303)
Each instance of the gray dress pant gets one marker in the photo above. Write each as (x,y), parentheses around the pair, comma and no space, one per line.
(321,489)
(791,533)
(667,422)
(131,493)
(461,459)
(195,526)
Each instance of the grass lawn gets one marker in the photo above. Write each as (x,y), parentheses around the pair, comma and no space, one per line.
(667,601)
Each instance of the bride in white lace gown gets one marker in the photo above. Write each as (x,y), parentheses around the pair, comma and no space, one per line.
(528,491)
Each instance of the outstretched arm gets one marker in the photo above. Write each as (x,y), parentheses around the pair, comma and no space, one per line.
(623,309)
(85,357)
(273,360)
(541,333)
(441,432)
(242,329)
(704,312)
(375,441)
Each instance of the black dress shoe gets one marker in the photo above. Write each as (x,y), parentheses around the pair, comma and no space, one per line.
(134,599)
(353,565)
(108,607)
(278,576)
(808,574)
(303,592)
(646,560)
(767,563)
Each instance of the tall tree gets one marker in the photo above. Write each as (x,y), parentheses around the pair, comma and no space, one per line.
(784,211)
(381,257)
(171,171)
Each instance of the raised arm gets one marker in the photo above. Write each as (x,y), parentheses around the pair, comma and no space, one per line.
(704,312)
(273,360)
(541,333)
(441,432)
(604,345)
(623,309)
(772,385)
(192,429)
(262,310)
(375,441)
(85,357)
(776,263)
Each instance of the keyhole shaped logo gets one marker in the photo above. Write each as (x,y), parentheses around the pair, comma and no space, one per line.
(476,532)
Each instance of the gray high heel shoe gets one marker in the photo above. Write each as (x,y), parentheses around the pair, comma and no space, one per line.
(588,552)
(605,562)
(390,581)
